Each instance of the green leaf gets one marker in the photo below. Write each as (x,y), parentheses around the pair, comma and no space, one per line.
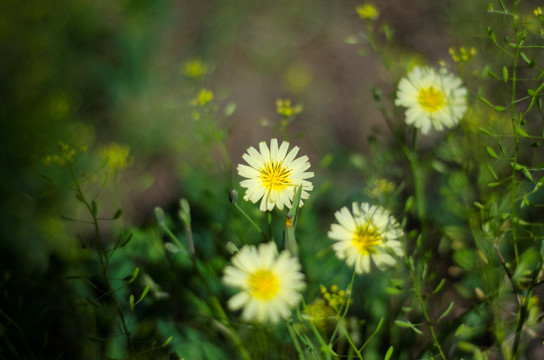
(505,74)
(132,277)
(492,75)
(229,109)
(439,286)
(388,353)
(445,313)
(492,172)
(499,108)
(131,302)
(491,152)
(118,214)
(487,132)
(485,101)
(493,184)
(407,324)
(105,179)
(144,293)
(527,174)
(94,208)
(521,132)
(127,240)
(167,341)
(491,35)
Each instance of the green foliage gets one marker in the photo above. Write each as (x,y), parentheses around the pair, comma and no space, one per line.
(131,115)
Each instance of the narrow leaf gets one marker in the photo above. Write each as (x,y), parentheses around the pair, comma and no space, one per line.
(133,276)
(229,109)
(505,74)
(491,152)
(499,108)
(522,132)
(131,302)
(407,324)
(439,286)
(94,208)
(487,132)
(167,341)
(388,353)
(525,58)
(485,101)
(118,214)
(144,293)
(445,313)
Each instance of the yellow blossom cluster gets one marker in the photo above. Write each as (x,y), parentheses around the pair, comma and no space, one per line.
(117,155)
(285,109)
(382,187)
(335,297)
(194,68)
(67,155)
(463,55)
(204,97)
(368,11)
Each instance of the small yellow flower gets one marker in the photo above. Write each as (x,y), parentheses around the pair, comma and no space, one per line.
(194,68)
(382,187)
(270,284)
(462,55)
(320,314)
(284,108)
(368,232)
(67,155)
(204,97)
(272,175)
(368,11)
(117,155)
(537,11)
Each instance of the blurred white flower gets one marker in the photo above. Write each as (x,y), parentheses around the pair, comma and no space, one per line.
(433,99)
(368,232)
(270,284)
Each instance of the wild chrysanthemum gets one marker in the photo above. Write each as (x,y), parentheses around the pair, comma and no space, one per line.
(433,99)
(273,175)
(269,283)
(366,232)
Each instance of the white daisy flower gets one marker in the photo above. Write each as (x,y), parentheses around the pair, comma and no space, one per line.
(270,284)
(273,175)
(368,232)
(433,99)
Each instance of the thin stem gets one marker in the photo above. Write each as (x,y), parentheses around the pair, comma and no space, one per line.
(251,221)
(353,346)
(104,260)
(425,313)
(295,340)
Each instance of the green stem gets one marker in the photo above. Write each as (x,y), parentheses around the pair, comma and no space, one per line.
(351,343)
(295,340)
(104,259)
(424,310)
(251,221)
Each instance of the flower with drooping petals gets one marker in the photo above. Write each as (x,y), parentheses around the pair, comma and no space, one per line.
(270,284)
(273,175)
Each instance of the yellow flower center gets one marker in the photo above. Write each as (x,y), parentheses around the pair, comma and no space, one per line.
(274,176)
(263,284)
(365,238)
(431,99)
